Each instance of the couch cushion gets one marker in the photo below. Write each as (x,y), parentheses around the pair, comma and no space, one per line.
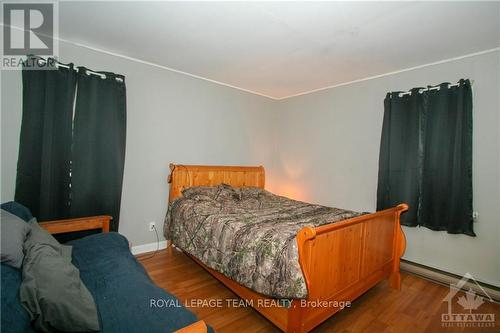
(14,231)
(122,289)
(15,319)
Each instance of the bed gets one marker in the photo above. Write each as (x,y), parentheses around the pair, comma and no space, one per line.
(338,261)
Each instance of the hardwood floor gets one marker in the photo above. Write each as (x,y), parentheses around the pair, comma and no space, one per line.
(416,308)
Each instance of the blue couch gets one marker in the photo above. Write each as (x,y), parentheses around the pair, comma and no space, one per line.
(120,286)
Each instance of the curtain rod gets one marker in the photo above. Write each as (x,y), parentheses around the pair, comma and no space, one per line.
(76,68)
(432,88)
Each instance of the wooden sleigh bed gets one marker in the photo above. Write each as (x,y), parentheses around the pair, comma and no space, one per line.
(339,261)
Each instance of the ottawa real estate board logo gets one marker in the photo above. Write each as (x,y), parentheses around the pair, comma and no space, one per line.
(465,310)
(28,28)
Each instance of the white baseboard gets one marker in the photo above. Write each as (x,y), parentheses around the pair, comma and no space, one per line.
(447,279)
(150,247)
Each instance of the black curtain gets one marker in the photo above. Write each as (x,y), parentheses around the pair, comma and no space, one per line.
(71,152)
(98,145)
(43,167)
(400,165)
(426,157)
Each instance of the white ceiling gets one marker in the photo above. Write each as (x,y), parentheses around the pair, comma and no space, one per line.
(280,49)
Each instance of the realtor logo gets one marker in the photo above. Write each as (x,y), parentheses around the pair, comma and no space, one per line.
(468,312)
(28,28)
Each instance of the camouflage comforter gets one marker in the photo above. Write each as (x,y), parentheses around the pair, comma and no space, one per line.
(247,234)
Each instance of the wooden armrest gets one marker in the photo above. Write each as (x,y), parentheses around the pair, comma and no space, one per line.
(77,224)
(198,327)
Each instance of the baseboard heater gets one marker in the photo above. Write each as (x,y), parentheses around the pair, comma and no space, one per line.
(486,290)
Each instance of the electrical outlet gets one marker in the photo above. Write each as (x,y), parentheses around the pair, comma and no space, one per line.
(475,215)
(152,226)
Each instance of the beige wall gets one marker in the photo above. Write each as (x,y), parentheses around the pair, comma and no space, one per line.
(328,154)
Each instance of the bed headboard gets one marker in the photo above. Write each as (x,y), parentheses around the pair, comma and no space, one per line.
(183,176)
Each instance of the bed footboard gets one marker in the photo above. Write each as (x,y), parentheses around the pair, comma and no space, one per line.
(341,261)
(198,327)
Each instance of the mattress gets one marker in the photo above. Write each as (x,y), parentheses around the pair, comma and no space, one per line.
(247,234)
